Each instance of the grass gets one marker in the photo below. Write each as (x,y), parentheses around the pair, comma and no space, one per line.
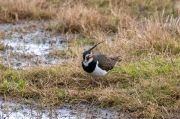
(3,47)
(84,41)
(146,34)
(144,88)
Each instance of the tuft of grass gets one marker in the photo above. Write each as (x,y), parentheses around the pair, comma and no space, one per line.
(83,20)
(3,47)
(31,9)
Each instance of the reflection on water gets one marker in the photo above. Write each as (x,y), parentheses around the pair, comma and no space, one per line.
(16,110)
(28,44)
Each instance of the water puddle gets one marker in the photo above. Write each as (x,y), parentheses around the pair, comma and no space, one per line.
(28,44)
(10,110)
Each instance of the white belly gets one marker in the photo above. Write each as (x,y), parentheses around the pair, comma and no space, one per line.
(98,71)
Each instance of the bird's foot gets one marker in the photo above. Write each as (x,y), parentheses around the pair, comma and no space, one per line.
(97,83)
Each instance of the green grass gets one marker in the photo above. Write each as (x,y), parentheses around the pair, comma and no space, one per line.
(146,68)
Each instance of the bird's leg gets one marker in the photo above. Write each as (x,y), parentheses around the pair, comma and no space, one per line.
(100,81)
(92,78)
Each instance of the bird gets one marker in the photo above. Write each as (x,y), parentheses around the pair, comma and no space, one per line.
(98,65)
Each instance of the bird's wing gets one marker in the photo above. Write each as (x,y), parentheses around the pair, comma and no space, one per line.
(118,59)
(104,62)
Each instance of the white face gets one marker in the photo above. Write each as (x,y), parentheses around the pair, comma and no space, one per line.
(88,58)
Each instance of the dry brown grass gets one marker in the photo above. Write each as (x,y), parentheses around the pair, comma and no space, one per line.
(1,34)
(145,33)
(21,9)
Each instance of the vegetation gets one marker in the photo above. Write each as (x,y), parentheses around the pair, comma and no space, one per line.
(145,33)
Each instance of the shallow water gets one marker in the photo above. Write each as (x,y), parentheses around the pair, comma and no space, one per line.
(17,110)
(28,44)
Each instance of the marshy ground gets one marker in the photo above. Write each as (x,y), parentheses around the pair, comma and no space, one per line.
(27,44)
(41,49)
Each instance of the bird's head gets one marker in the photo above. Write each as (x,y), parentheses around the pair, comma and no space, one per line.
(87,55)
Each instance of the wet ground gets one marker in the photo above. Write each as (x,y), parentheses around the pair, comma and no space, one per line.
(18,110)
(28,44)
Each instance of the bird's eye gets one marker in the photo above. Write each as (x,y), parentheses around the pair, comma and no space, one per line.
(87,57)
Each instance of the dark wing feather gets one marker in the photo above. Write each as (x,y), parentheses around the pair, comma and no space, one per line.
(106,63)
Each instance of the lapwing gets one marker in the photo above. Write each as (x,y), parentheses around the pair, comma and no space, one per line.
(97,64)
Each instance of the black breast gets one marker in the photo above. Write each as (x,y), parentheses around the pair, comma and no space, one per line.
(90,68)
